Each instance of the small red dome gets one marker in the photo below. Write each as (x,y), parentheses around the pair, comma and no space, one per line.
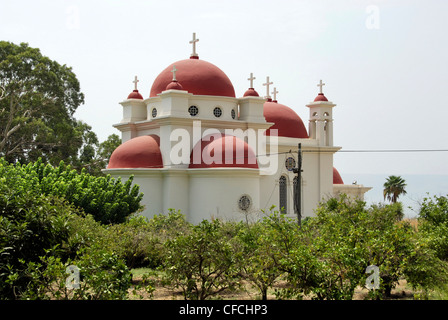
(286,121)
(197,76)
(250,93)
(337,177)
(174,85)
(232,153)
(320,97)
(135,95)
(139,152)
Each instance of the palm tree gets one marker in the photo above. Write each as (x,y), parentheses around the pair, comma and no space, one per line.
(393,188)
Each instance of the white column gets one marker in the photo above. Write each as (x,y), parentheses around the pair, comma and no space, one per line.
(329,133)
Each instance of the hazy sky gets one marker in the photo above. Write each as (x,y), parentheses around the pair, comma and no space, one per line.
(385,63)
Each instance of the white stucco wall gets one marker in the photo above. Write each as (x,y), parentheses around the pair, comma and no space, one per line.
(214,193)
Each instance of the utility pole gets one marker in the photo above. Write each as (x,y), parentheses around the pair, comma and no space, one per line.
(298,188)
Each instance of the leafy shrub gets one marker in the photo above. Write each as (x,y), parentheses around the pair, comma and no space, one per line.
(135,242)
(261,250)
(351,236)
(169,226)
(201,262)
(140,242)
(433,222)
(103,276)
(40,235)
(107,199)
(30,225)
(428,264)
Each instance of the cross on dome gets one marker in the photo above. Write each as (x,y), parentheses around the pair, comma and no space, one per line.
(251,79)
(135,94)
(194,54)
(267,87)
(275,93)
(174,73)
(135,82)
(321,85)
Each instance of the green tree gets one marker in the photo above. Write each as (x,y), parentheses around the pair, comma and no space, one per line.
(338,235)
(94,157)
(394,187)
(261,250)
(38,98)
(201,262)
(349,236)
(108,146)
(433,222)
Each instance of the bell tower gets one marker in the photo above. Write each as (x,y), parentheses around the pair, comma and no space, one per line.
(321,119)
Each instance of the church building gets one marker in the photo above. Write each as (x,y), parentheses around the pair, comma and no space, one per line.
(193,145)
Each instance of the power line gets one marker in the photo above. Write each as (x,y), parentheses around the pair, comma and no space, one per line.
(395,150)
(223,160)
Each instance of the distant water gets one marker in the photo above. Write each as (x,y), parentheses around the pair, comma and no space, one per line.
(418,187)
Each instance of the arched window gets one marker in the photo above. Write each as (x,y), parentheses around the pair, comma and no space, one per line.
(283,195)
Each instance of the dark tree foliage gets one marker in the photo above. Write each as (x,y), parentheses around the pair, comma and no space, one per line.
(38,98)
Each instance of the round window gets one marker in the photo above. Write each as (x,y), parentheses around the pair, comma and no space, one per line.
(244,203)
(154,112)
(290,163)
(233,113)
(217,112)
(193,111)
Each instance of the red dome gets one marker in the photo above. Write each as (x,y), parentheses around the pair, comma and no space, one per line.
(135,95)
(251,93)
(286,121)
(337,177)
(197,76)
(139,152)
(320,97)
(174,85)
(234,153)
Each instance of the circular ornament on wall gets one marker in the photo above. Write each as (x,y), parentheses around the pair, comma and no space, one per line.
(244,203)
(290,163)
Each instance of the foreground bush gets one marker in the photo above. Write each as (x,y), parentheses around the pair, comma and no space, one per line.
(351,236)
(433,222)
(140,242)
(108,200)
(30,224)
(201,263)
(325,258)
(262,248)
(40,235)
(37,269)
(102,276)
(135,242)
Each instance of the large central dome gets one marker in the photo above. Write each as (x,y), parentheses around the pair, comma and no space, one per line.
(196,76)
